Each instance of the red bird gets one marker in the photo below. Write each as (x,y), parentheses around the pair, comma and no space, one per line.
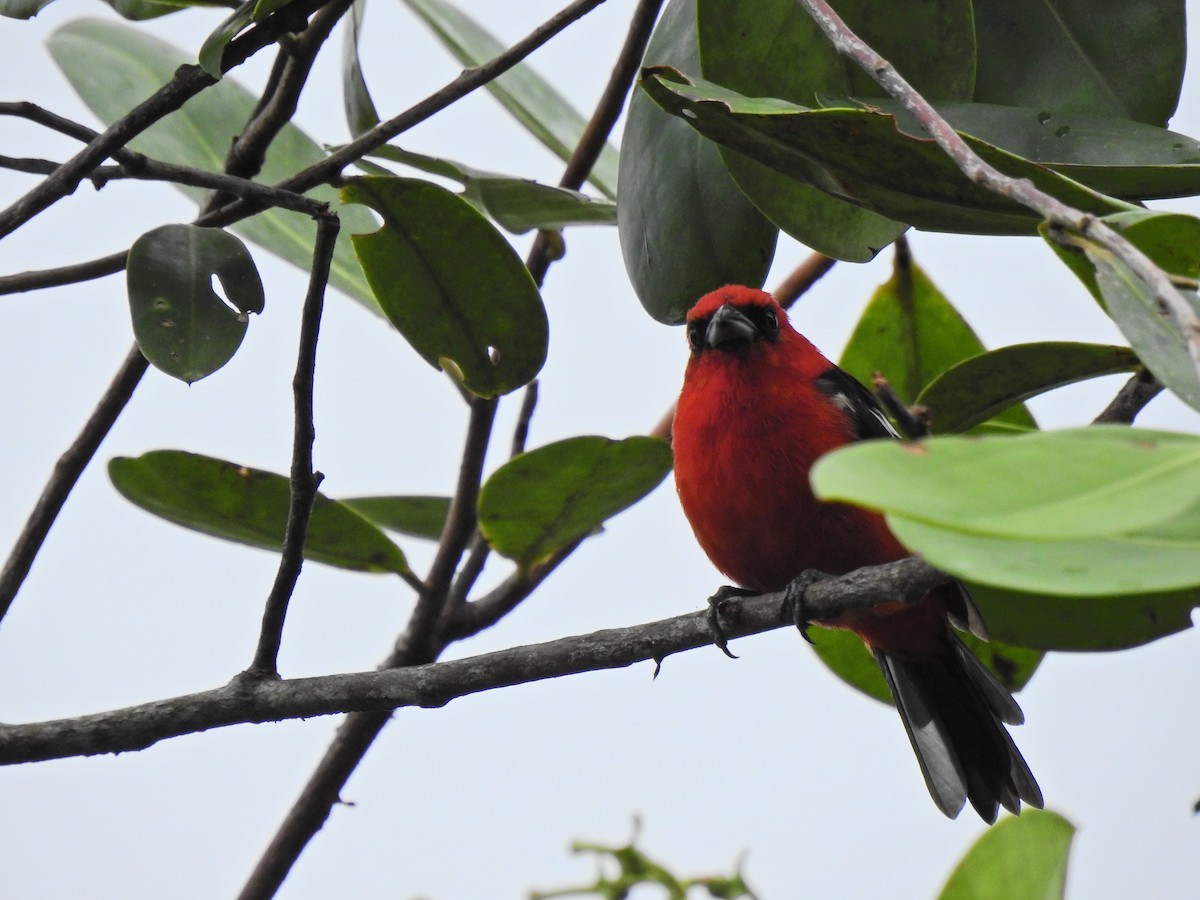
(759,406)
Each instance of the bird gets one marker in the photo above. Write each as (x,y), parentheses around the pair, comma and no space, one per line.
(759,406)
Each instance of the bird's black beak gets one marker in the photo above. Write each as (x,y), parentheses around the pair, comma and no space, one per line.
(729,325)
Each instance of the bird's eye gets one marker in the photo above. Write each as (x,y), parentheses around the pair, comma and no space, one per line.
(770,323)
(695,334)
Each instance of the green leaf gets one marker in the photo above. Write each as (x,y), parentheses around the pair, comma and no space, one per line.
(774,49)
(516,204)
(22,9)
(1084,623)
(114,67)
(1132,303)
(862,157)
(451,284)
(685,226)
(361,115)
(182,326)
(530,99)
(1095,511)
(541,501)
(151,9)
(1022,857)
(249,506)
(422,517)
(911,333)
(1114,156)
(983,386)
(214,45)
(1121,58)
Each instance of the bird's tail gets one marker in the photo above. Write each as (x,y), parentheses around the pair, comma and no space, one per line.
(954,711)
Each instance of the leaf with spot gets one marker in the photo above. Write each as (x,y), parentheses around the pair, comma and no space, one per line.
(182,326)
(451,284)
(249,506)
(541,501)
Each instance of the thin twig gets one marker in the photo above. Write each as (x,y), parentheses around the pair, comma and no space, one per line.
(1130,400)
(434,685)
(38,279)
(329,169)
(304,481)
(279,100)
(187,82)
(1063,219)
(66,473)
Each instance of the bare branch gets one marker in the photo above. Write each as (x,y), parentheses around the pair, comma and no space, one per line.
(304,481)
(188,81)
(433,685)
(66,473)
(1130,400)
(1021,190)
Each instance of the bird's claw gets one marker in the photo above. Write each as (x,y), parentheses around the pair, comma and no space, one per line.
(792,609)
(721,607)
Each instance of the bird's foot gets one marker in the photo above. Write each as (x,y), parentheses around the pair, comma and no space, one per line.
(722,609)
(792,609)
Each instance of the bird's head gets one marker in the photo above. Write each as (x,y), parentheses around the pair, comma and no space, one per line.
(733,317)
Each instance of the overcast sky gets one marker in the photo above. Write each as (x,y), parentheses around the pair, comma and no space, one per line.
(767,759)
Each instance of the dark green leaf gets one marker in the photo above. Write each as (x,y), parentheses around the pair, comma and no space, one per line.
(774,49)
(975,390)
(1022,857)
(182,326)
(422,517)
(451,284)
(531,100)
(1097,511)
(249,506)
(214,45)
(1114,156)
(861,156)
(1084,623)
(114,67)
(264,8)
(1121,58)
(1133,305)
(685,226)
(542,500)
(356,98)
(910,333)
(151,9)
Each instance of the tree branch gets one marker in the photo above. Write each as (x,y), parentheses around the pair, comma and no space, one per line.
(1130,400)
(188,81)
(1021,190)
(434,685)
(304,481)
(66,473)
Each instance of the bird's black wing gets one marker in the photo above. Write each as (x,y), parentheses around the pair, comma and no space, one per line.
(860,406)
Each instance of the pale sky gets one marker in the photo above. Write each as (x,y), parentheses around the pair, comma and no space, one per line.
(768,759)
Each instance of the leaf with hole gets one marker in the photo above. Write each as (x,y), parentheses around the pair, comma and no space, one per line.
(541,501)
(249,506)
(113,67)
(181,324)
(685,226)
(451,284)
